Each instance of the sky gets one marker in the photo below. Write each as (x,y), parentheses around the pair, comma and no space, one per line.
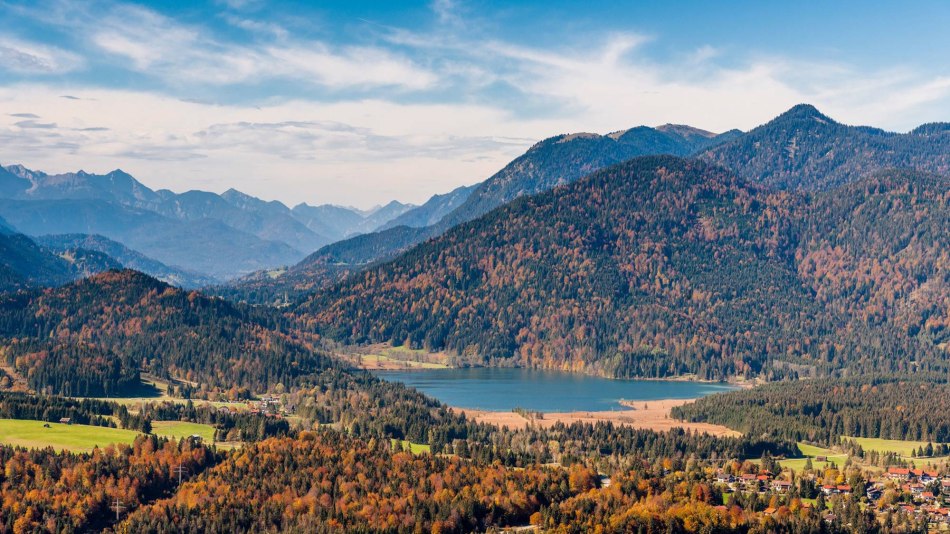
(358,103)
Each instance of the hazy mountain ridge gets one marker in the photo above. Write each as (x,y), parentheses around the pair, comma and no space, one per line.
(126,257)
(220,236)
(25,264)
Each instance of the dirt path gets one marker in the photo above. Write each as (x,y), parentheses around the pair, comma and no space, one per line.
(652,415)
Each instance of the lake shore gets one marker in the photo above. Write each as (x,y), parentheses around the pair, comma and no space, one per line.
(649,415)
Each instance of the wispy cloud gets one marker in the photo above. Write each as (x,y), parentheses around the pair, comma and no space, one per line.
(33,58)
(157,46)
(360,112)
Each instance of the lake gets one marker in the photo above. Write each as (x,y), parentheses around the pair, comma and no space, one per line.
(545,391)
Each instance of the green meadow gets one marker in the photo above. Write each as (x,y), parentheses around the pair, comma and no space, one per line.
(183,429)
(74,438)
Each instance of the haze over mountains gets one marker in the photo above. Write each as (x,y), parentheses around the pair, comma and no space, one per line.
(214,237)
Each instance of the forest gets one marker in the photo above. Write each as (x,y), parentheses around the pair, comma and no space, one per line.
(901,407)
(115,324)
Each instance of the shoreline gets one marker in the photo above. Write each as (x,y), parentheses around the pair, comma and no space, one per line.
(650,415)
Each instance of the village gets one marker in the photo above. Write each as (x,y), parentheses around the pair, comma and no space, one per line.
(917,493)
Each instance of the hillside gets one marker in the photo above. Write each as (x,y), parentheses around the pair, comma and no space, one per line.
(654,267)
(805,149)
(661,266)
(877,251)
(116,323)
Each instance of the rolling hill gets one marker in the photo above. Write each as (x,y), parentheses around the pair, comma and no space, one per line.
(114,324)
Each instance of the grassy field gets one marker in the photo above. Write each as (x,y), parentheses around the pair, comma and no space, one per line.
(904,448)
(380,360)
(75,438)
(182,429)
(835,459)
(414,448)
(385,356)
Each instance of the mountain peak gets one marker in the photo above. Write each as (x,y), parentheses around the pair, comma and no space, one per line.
(686,131)
(803,112)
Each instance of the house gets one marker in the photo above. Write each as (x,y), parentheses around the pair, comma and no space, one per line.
(66,421)
(844,489)
(195,438)
(770,511)
(927,496)
(945,486)
(781,486)
(928,476)
(829,489)
(724,478)
(917,488)
(898,473)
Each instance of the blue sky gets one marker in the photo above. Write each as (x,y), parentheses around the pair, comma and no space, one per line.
(360,102)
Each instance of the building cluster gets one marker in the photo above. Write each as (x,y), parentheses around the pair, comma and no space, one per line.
(916,492)
(267,405)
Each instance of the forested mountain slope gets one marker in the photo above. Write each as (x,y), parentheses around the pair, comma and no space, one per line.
(662,266)
(877,251)
(110,326)
(655,267)
(805,149)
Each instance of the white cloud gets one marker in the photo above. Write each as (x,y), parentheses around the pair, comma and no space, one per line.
(33,58)
(361,152)
(415,113)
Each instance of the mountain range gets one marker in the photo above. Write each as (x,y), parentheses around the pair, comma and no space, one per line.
(216,237)
(714,264)
(801,149)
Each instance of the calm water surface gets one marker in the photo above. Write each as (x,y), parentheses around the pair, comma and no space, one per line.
(545,391)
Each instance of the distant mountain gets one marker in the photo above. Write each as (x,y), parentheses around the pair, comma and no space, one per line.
(125,257)
(204,245)
(564,158)
(432,211)
(25,264)
(662,266)
(805,149)
(336,222)
(555,161)
(223,235)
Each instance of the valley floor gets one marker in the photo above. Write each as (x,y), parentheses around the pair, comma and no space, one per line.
(650,415)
